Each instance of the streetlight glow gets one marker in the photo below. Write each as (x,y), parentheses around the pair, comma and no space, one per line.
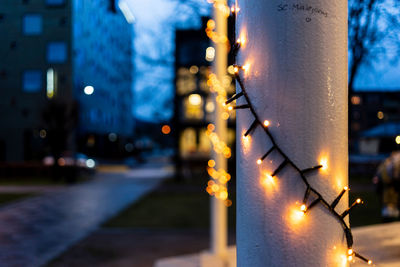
(88,90)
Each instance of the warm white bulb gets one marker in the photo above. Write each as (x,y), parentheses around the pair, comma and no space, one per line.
(88,90)
(303,208)
(259,161)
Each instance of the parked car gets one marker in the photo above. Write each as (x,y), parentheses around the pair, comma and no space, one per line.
(68,159)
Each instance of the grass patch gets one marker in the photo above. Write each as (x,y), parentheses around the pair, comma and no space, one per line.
(183,207)
(6,198)
(182,204)
(169,210)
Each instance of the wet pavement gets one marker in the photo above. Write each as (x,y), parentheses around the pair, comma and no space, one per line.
(35,230)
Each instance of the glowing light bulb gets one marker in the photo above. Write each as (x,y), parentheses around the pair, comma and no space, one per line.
(303,208)
(211,163)
(230,108)
(324,164)
(369,262)
(358,200)
(246,67)
(397,139)
(236,69)
(266,123)
(350,251)
(245,137)
(350,258)
(346,188)
(259,161)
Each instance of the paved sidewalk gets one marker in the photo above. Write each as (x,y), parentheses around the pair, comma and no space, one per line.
(380,243)
(32,188)
(35,230)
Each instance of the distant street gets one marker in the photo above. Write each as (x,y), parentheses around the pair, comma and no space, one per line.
(35,230)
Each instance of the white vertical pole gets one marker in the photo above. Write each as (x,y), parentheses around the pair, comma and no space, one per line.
(218,208)
(297,79)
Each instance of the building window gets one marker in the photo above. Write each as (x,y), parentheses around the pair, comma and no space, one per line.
(188,144)
(50,83)
(32,24)
(57,52)
(193,107)
(32,81)
(55,2)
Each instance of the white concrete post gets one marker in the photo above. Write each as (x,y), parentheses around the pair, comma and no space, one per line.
(218,209)
(297,79)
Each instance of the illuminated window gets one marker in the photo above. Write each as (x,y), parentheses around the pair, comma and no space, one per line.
(187,142)
(204,142)
(204,73)
(356,100)
(31,81)
(210,53)
(380,115)
(32,24)
(186,81)
(193,107)
(57,52)
(50,83)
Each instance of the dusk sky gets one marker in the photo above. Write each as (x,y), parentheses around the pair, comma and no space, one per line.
(154,29)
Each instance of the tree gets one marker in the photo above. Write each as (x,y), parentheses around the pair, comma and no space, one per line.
(373,32)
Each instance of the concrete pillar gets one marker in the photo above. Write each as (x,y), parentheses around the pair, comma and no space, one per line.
(295,54)
(219,221)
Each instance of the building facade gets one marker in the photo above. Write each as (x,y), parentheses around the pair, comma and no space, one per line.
(194,103)
(70,51)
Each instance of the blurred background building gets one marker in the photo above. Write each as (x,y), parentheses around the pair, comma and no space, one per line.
(64,64)
(194,103)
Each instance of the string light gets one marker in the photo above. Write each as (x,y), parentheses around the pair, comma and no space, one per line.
(219,146)
(214,36)
(303,208)
(324,164)
(287,162)
(234,9)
